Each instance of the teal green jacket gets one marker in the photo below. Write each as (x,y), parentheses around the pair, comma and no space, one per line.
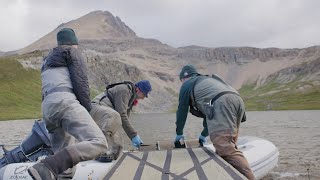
(183,107)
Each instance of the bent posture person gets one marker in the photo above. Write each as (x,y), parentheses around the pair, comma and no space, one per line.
(66,105)
(222,109)
(111,109)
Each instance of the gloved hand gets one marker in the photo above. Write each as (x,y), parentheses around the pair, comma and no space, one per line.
(179,142)
(178,137)
(136,141)
(202,140)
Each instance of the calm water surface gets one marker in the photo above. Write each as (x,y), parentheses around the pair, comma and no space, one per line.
(295,133)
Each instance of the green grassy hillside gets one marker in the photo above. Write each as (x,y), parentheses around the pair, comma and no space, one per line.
(20,91)
(273,96)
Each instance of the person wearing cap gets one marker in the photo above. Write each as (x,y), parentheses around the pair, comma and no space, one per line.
(65,109)
(111,110)
(222,110)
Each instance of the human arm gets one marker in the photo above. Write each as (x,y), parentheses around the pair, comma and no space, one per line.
(79,78)
(204,133)
(183,107)
(121,95)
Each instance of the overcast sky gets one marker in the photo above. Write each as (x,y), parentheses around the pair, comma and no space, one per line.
(210,23)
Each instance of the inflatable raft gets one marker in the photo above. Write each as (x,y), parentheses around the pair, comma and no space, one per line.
(163,161)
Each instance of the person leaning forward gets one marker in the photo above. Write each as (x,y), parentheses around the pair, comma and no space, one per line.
(222,110)
(65,107)
(111,109)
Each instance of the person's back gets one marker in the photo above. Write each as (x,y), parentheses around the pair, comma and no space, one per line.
(122,90)
(207,87)
(54,71)
(222,110)
(65,106)
(57,77)
(111,109)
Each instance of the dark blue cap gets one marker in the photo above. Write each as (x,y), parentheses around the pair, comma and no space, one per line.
(144,86)
(187,71)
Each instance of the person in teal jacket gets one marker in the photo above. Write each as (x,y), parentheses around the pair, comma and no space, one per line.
(222,110)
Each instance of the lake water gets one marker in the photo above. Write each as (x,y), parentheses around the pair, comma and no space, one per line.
(295,133)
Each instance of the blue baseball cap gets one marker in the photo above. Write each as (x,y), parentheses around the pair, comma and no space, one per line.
(144,86)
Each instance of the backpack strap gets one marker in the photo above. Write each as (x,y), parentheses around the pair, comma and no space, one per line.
(244,117)
(217,78)
(129,83)
(194,110)
(221,94)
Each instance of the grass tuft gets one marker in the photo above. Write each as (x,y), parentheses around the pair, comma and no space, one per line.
(20,91)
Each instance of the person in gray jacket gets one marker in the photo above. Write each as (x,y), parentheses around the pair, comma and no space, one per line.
(222,110)
(111,109)
(65,107)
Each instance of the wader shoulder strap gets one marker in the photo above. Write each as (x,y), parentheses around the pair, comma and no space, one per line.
(193,97)
(214,76)
(193,104)
(115,84)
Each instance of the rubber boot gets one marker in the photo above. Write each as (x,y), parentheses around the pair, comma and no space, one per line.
(115,148)
(40,172)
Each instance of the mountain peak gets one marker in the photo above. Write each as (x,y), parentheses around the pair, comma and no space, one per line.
(95,25)
(101,24)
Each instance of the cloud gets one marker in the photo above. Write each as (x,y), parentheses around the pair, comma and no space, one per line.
(12,16)
(211,23)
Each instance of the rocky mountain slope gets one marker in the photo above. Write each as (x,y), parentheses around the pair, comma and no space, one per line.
(114,53)
(95,25)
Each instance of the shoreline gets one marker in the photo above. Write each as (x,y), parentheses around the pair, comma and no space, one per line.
(159,113)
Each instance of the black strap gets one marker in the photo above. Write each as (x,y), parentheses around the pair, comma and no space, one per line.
(193,97)
(193,104)
(199,76)
(105,95)
(221,94)
(128,83)
(214,76)
(244,117)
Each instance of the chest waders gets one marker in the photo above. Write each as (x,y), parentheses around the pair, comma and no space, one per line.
(194,110)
